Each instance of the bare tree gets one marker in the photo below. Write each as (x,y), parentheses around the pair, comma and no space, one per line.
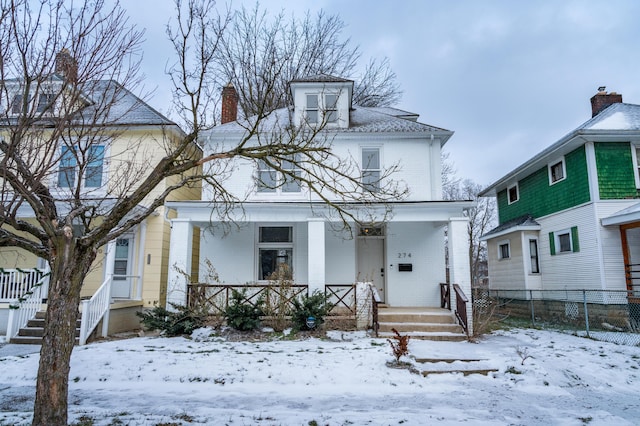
(66,71)
(481,219)
(261,55)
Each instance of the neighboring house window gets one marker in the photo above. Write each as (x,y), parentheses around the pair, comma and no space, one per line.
(330,107)
(312,108)
(45,101)
(513,194)
(504,250)
(533,255)
(280,181)
(93,172)
(557,172)
(371,170)
(16,104)
(275,249)
(565,241)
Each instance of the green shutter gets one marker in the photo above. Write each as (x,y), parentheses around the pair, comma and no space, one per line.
(574,239)
(552,243)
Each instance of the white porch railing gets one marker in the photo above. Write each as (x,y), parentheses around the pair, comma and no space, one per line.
(14,283)
(27,304)
(94,310)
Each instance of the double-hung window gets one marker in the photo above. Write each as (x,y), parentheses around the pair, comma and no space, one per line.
(513,194)
(331,108)
(565,241)
(371,171)
(16,104)
(504,250)
(93,167)
(557,172)
(284,181)
(312,109)
(275,250)
(45,102)
(533,255)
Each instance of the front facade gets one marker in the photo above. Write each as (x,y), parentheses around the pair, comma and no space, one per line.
(399,247)
(136,263)
(567,216)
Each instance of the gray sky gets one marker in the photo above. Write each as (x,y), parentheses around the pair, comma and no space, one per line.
(508,77)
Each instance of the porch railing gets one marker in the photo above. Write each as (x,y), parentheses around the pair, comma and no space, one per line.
(445,296)
(461,308)
(375,301)
(214,298)
(27,305)
(14,283)
(94,310)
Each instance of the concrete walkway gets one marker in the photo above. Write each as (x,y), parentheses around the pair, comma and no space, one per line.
(11,349)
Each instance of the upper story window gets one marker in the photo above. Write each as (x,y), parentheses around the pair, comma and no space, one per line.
(371,171)
(93,168)
(279,181)
(557,172)
(322,107)
(312,108)
(45,102)
(16,104)
(513,194)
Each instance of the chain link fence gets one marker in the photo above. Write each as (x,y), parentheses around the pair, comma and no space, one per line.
(607,315)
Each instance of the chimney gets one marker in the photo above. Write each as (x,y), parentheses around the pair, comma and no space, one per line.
(66,66)
(602,99)
(229,104)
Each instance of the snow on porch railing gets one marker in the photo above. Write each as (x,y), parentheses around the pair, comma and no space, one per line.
(27,304)
(94,310)
(15,283)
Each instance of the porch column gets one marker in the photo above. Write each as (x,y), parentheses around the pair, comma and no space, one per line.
(110,259)
(316,259)
(459,262)
(141,244)
(179,260)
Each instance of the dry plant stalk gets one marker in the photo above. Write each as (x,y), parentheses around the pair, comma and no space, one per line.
(400,346)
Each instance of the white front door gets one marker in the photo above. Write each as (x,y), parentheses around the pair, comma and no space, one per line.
(371,263)
(121,285)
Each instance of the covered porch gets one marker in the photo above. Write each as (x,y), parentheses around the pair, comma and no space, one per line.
(402,251)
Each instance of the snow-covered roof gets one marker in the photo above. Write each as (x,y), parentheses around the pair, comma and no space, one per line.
(321,78)
(362,120)
(522,223)
(618,122)
(629,215)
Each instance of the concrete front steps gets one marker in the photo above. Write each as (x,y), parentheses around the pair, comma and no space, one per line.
(32,333)
(420,323)
(465,367)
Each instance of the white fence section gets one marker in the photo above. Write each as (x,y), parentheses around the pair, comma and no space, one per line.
(15,283)
(27,304)
(95,309)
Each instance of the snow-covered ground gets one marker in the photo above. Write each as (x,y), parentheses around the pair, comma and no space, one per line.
(341,380)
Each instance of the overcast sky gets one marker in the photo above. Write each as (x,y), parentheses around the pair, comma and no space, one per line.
(508,77)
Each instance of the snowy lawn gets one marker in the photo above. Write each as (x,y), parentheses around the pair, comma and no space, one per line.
(543,378)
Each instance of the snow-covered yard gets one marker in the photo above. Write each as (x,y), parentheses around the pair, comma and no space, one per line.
(341,380)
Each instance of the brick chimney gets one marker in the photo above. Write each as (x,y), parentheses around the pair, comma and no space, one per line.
(602,99)
(229,104)
(66,66)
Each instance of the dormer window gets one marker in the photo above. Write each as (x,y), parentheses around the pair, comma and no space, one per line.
(312,108)
(16,104)
(45,102)
(331,108)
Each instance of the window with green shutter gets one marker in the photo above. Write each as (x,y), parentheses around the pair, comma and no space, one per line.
(565,241)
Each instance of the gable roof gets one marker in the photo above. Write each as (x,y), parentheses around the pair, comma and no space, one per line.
(115,104)
(321,78)
(618,122)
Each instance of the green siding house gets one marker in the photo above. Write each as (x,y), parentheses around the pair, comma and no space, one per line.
(569,218)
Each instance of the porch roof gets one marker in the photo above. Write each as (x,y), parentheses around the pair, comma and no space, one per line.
(522,223)
(629,215)
(407,211)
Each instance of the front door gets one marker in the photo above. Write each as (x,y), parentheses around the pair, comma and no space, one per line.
(371,262)
(121,285)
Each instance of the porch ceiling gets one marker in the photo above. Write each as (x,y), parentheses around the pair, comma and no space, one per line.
(426,211)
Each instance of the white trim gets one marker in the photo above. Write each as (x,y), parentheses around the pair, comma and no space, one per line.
(499,246)
(634,157)
(564,170)
(517,193)
(556,238)
(592,171)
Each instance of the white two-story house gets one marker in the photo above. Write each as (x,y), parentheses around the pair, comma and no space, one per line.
(398,246)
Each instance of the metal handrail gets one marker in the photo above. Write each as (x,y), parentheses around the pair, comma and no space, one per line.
(94,310)
(27,306)
(445,296)
(461,308)
(375,301)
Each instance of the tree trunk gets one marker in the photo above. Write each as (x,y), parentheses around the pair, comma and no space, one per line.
(68,271)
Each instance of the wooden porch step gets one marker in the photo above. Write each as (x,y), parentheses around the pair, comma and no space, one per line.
(33,332)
